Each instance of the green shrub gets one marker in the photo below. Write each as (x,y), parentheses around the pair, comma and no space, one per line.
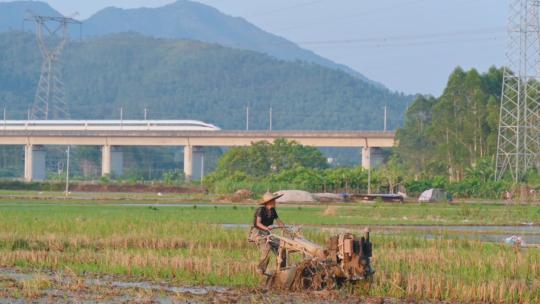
(173,178)
(20,244)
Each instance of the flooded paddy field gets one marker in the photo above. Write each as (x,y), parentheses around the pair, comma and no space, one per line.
(492,234)
(66,287)
(111,252)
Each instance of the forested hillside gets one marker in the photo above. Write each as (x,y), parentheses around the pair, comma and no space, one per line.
(187,79)
(182,19)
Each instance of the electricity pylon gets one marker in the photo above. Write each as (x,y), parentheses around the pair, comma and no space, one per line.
(52,35)
(518,145)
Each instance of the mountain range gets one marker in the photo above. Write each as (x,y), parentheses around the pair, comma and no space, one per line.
(187,79)
(180,20)
(188,60)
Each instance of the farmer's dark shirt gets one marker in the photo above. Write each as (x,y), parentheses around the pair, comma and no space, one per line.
(267,216)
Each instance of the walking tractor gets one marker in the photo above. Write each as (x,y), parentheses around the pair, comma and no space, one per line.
(344,262)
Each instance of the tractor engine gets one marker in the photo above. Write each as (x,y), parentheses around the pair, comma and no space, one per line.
(345,260)
(352,255)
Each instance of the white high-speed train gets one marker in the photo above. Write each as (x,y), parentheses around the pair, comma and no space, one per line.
(106,125)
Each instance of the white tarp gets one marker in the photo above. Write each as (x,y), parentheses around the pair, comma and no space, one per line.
(425,196)
(432,195)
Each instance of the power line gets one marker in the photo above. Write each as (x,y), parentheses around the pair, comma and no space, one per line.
(424,43)
(271,12)
(458,36)
(364,13)
(348,18)
(427,36)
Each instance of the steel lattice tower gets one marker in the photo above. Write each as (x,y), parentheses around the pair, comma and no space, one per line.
(518,145)
(52,35)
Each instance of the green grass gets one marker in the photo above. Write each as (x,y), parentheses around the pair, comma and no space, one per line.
(102,196)
(344,214)
(183,245)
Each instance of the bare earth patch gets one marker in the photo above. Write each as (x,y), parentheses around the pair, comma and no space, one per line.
(66,287)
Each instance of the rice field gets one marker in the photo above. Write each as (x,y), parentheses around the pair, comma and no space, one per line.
(353,213)
(188,246)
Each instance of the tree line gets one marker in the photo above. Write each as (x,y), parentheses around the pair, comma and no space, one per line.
(448,135)
(447,142)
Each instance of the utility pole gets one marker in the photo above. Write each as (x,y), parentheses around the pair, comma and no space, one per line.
(384,118)
(518,144)
(270,126)
(247,118)
(145,113)
(52,34)
(202,168)
(67,172)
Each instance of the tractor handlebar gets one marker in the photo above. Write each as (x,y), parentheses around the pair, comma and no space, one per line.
(291,229)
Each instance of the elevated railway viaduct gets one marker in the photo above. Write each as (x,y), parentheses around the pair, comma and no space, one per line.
(112,135)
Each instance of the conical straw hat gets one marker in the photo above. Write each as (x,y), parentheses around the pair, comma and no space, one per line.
(268,197)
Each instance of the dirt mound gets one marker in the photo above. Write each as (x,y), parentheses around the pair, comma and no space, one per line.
(330,211)
(295,196)
(241,195)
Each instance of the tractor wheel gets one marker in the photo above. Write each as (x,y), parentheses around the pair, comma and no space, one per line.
(311,276)
(282,279)
(291,275)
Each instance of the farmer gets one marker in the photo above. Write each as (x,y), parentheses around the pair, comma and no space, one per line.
(263,223)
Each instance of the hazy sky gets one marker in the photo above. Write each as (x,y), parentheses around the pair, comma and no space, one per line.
(408,45)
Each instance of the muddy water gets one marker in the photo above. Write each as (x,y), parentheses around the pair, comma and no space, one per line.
(67,289)
(495,234)
(91,289)
(154,287)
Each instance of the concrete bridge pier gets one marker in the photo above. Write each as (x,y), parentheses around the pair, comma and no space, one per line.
(112,161)
(34,163)
(366,158)
(198,163)
(193,163)
(105,160)
(188,163)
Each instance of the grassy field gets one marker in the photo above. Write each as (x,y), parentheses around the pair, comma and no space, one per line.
(471,213)
(105,196)
(186,245)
